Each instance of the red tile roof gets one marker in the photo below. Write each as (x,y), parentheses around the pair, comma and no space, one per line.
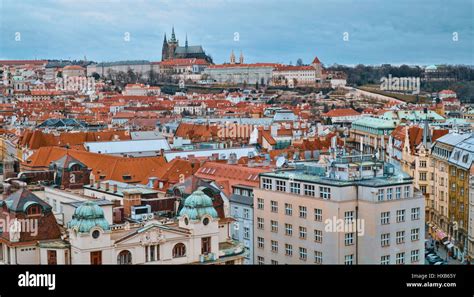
(341,112)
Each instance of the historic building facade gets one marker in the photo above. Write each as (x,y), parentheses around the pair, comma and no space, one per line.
(172,50)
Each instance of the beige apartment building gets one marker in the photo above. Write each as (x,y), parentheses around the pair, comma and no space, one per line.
(353,210)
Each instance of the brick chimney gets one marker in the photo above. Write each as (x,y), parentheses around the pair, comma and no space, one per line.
(115,187)
(130,198)
(107,186)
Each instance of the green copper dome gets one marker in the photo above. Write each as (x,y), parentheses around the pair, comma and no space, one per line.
(88,216)
(197,205)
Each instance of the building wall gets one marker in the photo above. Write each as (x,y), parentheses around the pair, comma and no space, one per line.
(333,247)
(242,226)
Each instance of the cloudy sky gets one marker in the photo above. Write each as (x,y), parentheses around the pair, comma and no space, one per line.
(378,31)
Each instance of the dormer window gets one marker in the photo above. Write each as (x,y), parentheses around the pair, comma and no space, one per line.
(33,210)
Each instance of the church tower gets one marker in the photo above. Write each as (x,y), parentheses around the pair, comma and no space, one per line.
(164,51)
(232,57)
(241,58)
(173,43)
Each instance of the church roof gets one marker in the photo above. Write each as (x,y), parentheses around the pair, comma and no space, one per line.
(192,49)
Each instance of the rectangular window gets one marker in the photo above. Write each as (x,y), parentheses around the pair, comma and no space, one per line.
(349,259)
(260,203)
(325,192)
(274,225)
(415,234)
(274,206)
(288,250)
(400,259)
(260,242)
(274,246)
(407,191)
(415,213)
(349,239)
(303,254)
(246,213)
(288,229)
(260,223)
(246,233)
(267,183)
(318,215)
(385,239)
(423,176)
(385,260)
(303,212)
(318,236)
(288,209)
(260,260)
(400,237)
(385,218)
(318,257)
(309,190)
(348,217)
(400,215)
(205,245)
(389,193)
(295,188)
(281,185)
(398,192)
(274,262)
(52,257)
(302,232)
(415,256)
(380,194)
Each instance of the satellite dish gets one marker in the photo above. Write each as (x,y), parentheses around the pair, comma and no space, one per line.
(280,162)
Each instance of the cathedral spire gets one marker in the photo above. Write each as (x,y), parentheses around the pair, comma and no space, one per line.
(232,57)
(241,58)
(164,40)
(173,36)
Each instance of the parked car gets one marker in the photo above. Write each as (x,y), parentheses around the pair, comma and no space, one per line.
(440,263)
(434,259)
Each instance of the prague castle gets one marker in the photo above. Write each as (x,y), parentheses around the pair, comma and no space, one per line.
(172,50)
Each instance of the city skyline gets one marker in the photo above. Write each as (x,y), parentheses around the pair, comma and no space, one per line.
(399,32)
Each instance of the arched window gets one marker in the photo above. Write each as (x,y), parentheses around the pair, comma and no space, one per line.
(124,258)
(75,167)
(179,250)
(33,210)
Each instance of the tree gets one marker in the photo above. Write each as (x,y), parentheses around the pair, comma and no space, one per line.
(299,62)
(96,75)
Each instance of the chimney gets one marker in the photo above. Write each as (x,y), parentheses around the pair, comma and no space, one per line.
(130,198)
(115,187)
(6,190)
(107,186)
(97,184)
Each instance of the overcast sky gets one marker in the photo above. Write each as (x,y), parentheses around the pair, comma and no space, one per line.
(379,31)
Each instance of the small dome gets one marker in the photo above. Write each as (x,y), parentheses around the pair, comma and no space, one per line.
(197,205)
(88,216)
